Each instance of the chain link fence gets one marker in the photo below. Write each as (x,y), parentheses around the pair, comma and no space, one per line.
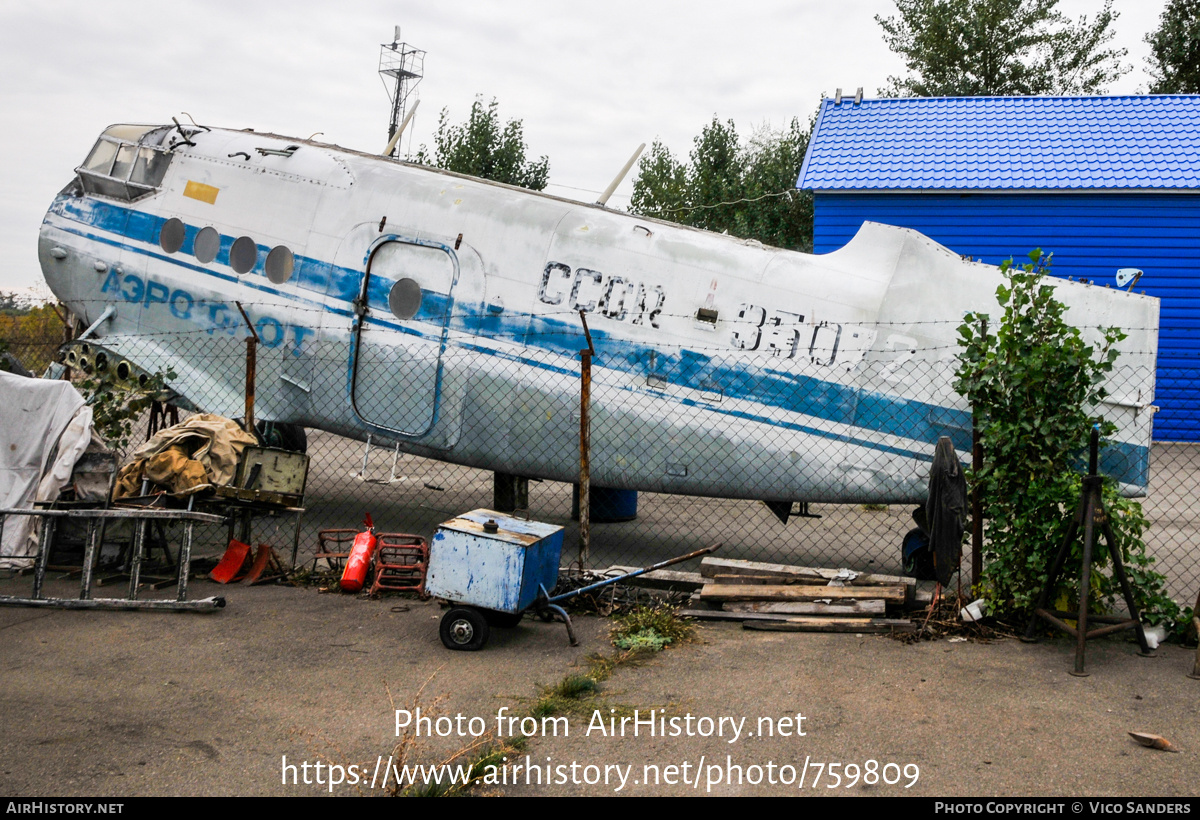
(685,444)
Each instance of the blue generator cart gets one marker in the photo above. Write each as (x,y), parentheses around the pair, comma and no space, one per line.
(492,568)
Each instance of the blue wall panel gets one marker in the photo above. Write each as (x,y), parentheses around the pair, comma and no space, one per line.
(1090,235)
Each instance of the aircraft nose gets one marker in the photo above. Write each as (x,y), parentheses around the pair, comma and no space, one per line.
(55,258)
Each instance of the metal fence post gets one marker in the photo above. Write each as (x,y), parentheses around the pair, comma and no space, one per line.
(585,429)
(976,500)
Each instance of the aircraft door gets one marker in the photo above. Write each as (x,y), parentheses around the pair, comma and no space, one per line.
(400,332)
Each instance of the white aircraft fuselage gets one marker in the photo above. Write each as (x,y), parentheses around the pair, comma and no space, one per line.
(441,312)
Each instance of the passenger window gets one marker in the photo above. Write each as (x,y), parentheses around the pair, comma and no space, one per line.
(243,256)
(207,244)
(404,299)
(279,265)
(172,235)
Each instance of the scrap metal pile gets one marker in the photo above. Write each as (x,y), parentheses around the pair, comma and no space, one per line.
(614,599)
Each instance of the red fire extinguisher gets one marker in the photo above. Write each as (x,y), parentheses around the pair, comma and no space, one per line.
(355,574)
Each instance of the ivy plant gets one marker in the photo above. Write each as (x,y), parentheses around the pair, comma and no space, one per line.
(1035,384)
(117,405)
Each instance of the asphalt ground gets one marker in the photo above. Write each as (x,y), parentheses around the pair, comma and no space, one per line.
(140,703)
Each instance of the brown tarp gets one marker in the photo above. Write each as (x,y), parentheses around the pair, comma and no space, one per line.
(184,458)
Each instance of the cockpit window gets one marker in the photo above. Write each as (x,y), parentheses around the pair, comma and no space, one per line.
(150,167)
(101,158)
(124,163)
(128,162)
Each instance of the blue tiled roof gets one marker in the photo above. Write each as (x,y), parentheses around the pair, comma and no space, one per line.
(997,143)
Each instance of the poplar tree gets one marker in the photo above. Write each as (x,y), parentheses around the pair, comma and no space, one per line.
(1174,59)
(746,190)
(970,48)
(484,147)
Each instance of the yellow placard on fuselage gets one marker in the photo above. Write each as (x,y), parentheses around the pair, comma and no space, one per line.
(202,192)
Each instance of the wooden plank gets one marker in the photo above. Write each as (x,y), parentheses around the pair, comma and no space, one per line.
(875,625)
(852,607)
(721,615)
(711,567)
(760,579)
(798,592)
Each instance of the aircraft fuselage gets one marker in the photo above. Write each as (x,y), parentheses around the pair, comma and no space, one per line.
(441,312)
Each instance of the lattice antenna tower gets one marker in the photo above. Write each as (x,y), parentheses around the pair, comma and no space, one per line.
(401,68)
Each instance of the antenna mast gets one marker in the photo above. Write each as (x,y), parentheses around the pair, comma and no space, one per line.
(401,68)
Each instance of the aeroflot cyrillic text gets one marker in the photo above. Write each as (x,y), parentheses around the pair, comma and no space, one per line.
(220,317)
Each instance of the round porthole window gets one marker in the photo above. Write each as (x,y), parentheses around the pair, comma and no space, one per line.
(243,256)
(405,299)
(170,238)
(207,244)
(279,265)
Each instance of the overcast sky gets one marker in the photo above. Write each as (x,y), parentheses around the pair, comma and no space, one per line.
(590,83)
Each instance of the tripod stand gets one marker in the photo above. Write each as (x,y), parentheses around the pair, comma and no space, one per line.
(1090,513)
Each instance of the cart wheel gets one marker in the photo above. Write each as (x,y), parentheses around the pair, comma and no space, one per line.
(504,620)
(464,628)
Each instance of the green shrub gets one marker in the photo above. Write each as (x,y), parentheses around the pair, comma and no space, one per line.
(1034,384)
(650,627)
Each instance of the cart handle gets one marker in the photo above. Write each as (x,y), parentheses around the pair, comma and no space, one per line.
(634,574)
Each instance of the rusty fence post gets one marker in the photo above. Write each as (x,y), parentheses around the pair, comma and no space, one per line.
(251,365)
(585,433)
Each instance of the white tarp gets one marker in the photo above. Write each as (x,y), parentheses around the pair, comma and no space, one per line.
(44,429)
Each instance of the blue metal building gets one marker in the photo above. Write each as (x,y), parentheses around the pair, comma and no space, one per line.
(1101,182)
